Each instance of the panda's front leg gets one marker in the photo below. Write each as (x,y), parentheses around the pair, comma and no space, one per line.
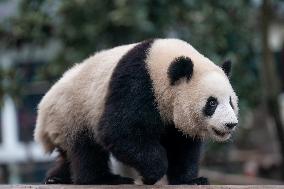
(183,156)
(147,156)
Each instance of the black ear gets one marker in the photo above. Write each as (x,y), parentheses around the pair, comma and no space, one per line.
(181,67)
(226,67)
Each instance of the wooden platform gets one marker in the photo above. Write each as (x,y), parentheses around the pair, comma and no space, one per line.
(140,187)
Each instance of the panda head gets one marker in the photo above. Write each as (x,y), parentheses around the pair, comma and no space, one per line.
(204,102)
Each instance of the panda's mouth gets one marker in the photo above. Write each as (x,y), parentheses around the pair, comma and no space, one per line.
(221,134)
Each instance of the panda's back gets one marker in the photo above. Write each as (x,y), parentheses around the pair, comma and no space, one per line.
(76,101)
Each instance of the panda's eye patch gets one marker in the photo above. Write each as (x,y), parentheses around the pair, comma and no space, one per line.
(210,106)
(231,103)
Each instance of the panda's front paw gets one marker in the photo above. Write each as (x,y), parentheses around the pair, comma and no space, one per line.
(199,181)
(55,180)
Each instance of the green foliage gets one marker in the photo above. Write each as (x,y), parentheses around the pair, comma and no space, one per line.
(220,29)
(1,86)
(32,25)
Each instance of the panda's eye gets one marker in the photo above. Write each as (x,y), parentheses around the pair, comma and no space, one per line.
(213,102)
(211,106)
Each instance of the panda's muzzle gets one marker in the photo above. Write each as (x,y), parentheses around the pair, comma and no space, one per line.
(221,133)
(231,125)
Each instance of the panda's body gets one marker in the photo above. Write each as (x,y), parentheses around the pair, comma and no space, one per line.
(80,96)
(148,104)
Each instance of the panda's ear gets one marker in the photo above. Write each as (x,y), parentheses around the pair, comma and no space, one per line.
(181,67)
(226,67)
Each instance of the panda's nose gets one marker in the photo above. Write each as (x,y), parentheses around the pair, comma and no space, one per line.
(231,125)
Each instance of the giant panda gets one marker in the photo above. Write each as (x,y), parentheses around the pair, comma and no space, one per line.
(149,105)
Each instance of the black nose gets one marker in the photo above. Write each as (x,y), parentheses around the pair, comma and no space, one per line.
(231,125)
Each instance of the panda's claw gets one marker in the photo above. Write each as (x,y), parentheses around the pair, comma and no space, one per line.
(52,180)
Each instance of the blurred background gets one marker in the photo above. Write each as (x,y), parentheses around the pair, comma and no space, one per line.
(39,39)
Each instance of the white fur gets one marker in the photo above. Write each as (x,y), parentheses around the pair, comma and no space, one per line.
(76,100)
(121,169)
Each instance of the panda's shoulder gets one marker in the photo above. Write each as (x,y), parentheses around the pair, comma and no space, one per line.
(169,43)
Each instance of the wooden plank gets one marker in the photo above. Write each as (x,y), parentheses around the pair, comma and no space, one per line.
(140,187)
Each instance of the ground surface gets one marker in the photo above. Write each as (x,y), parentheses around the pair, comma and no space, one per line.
(139,187)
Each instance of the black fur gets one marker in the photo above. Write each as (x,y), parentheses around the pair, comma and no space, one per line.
(131,124)
(181,67)
(89,162)
(226,67)
(231,103)
(183,157)
(210,106)
(60,172)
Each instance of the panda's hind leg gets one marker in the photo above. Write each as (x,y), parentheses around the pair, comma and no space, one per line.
(90,162)
(60,172)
